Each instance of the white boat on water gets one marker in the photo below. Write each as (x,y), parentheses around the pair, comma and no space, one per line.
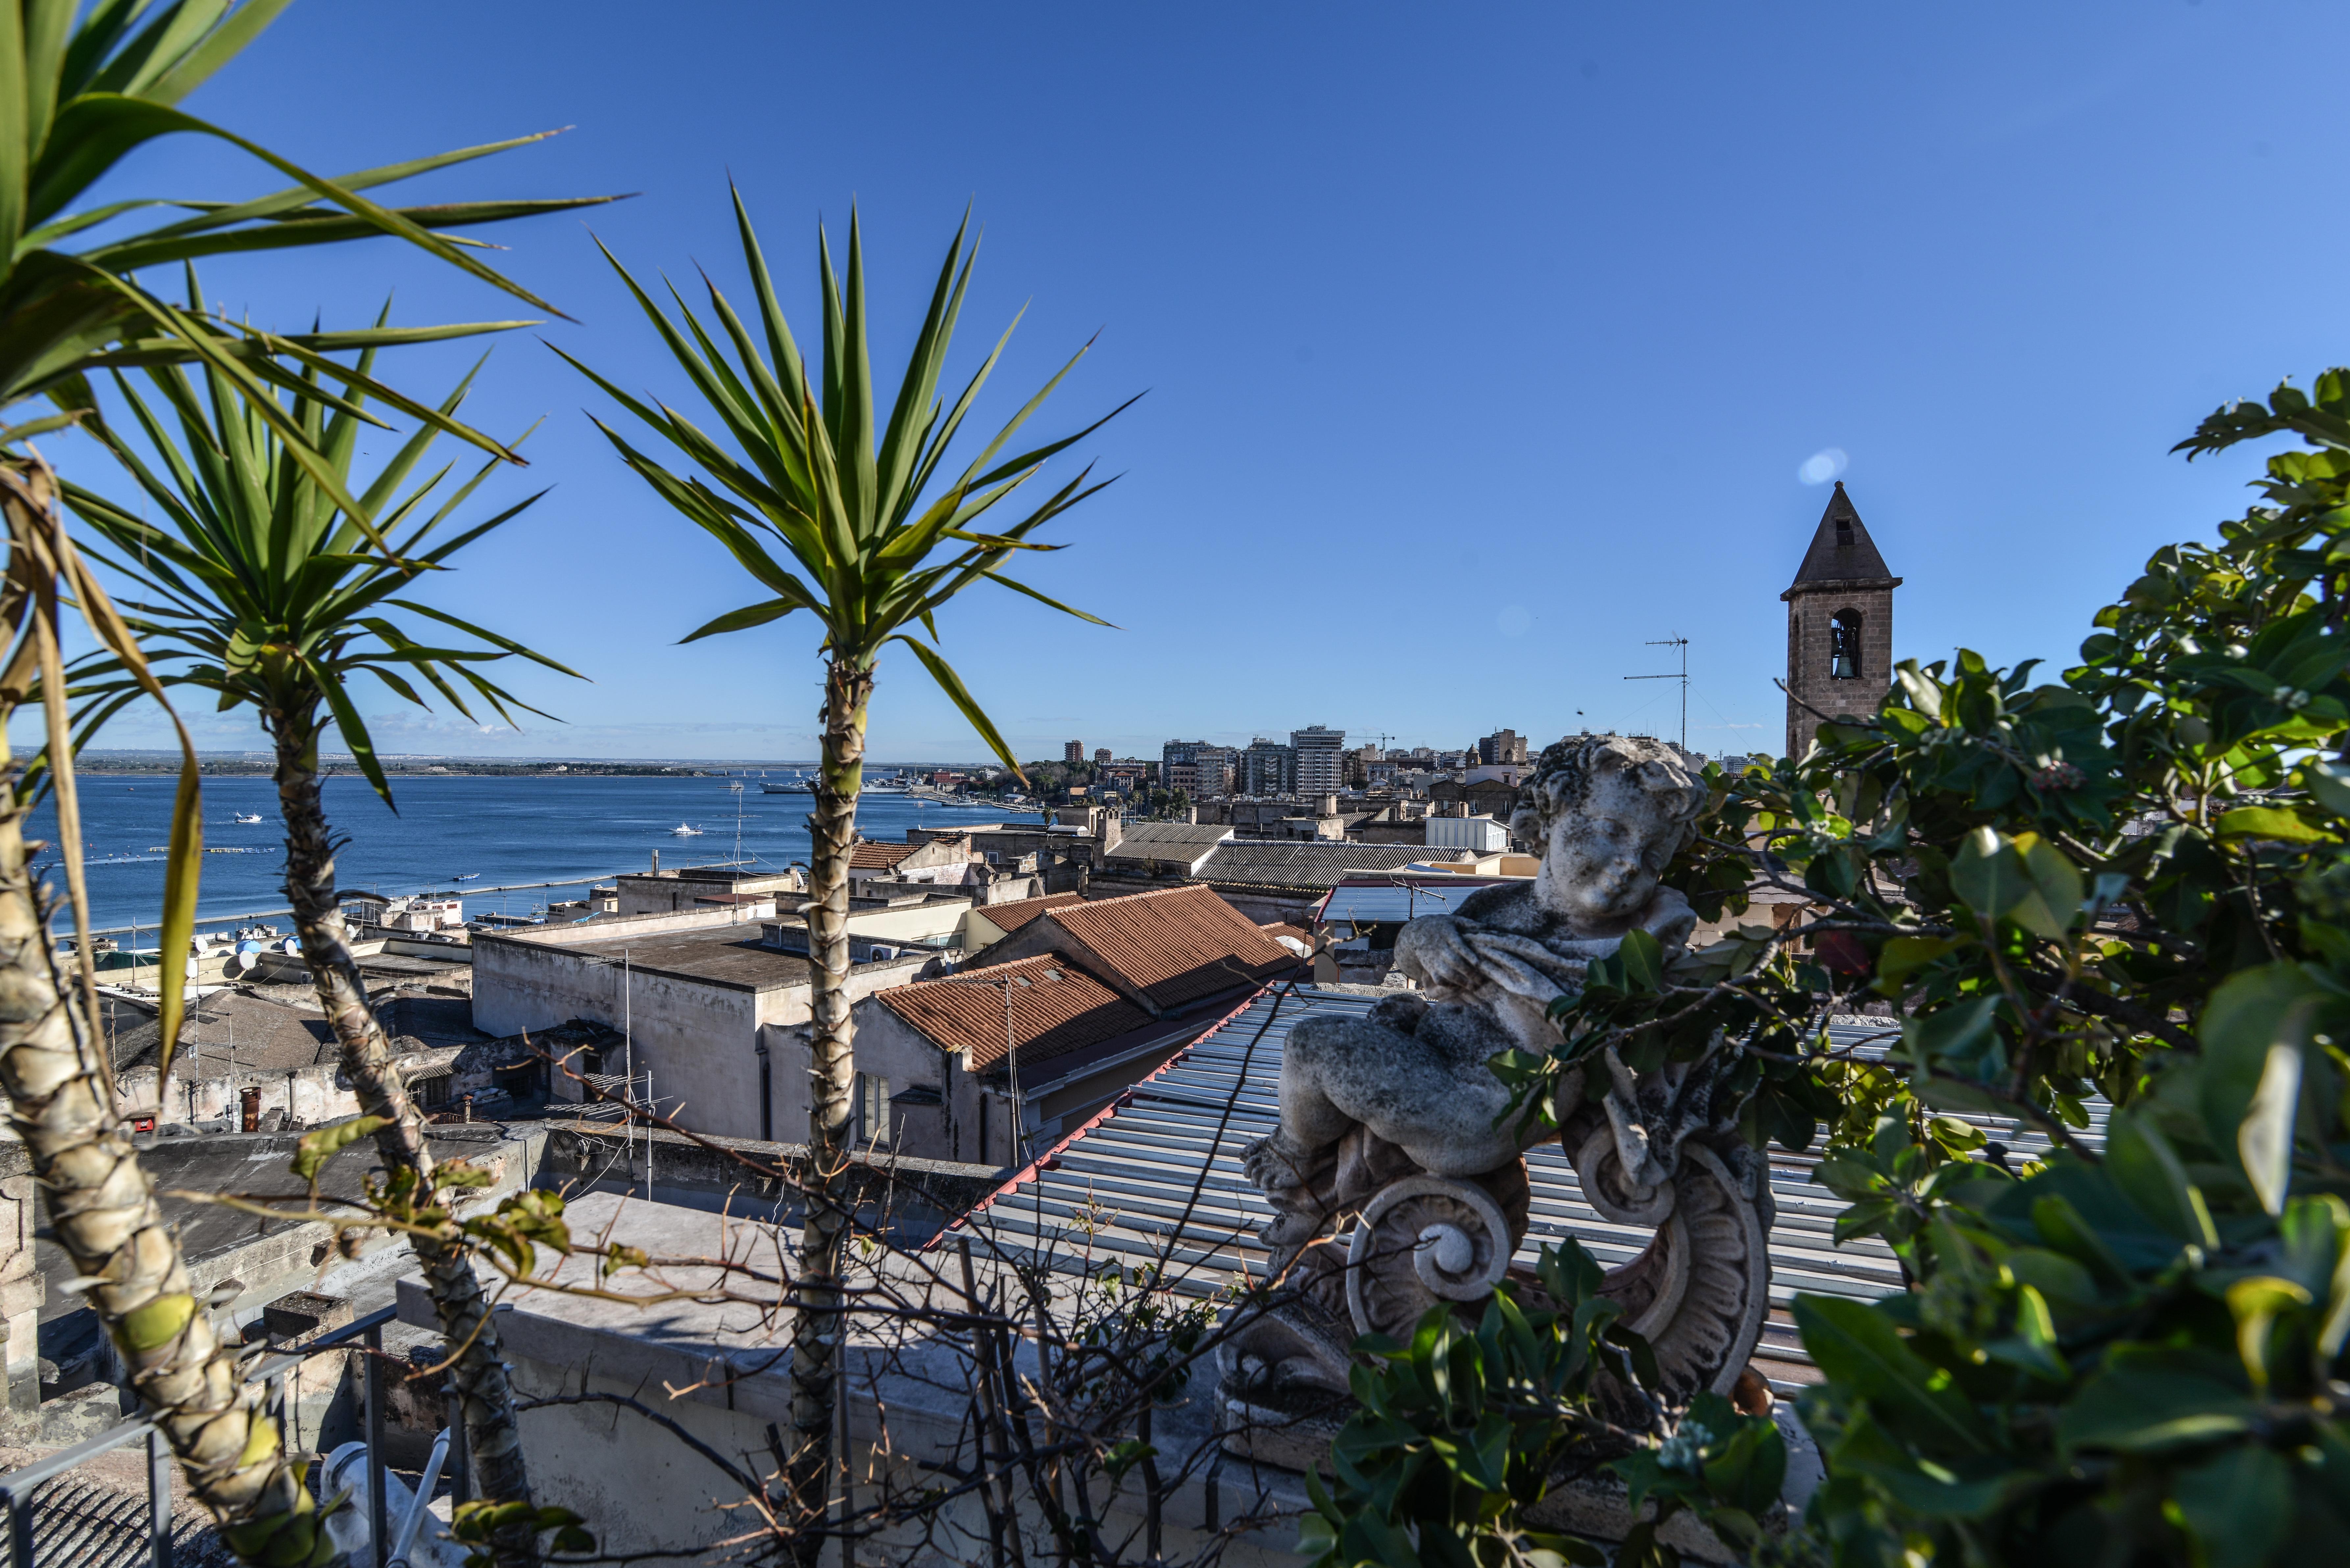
(797,786)
(683,831)
(244,818)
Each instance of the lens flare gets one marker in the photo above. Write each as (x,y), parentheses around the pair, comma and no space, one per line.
(1822,465)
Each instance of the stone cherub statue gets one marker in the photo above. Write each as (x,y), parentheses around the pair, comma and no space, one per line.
(1396,1174)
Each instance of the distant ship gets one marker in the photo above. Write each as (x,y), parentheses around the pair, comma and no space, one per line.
(468,877)
(241,817)
(682,831)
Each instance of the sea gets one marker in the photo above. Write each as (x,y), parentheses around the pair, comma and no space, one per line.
(479,836)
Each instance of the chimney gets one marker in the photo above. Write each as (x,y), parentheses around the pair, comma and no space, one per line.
(1329,805)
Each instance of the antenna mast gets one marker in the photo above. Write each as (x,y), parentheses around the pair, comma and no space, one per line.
(1681,675)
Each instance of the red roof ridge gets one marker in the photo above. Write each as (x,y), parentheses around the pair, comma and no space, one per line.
(1014,913)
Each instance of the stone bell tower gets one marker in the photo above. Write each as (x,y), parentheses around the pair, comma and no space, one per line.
(1839,626)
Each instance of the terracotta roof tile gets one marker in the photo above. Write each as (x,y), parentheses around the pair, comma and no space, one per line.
(1060,1010)
(1174,945)
(869,856)
(1008,918)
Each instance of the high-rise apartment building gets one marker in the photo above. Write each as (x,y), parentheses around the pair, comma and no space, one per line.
(1073,751)
(1215,767)
(1175,769)
(1321,758)
(1101,756)
(1502,747)
(1268,767)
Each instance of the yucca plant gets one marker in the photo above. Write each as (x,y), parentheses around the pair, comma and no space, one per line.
(862,527)
(80,90)
(256,586)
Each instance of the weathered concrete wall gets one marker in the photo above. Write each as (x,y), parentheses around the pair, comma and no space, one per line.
(641,895)
(1060,1106)
(689,1035)
(783,1017)
(924,922)
(890,1047)
(314,1094)
(698,1038)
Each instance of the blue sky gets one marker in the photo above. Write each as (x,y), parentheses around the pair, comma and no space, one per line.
(1481,344)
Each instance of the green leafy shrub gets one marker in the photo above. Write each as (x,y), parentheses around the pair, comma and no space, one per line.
(1458,1433)
(2131,882)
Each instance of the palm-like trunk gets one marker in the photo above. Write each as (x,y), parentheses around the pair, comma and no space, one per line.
(102,1207)
(493,1437)
(818,1331)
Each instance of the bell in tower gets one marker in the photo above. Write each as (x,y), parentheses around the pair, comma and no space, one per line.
(1839,626)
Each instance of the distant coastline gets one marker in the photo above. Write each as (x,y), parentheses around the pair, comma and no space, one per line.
(251,764)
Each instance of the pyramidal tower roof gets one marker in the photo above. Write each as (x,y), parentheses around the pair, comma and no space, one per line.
(1842,550)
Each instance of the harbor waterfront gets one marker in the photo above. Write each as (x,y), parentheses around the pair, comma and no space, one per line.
(488,830)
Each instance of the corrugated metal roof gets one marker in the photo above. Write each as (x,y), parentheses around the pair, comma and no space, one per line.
(1156,1177)
(1391,902)
(1137,839)
(1302,865)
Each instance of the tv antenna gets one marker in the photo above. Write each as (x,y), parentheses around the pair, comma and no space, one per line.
(1681,675)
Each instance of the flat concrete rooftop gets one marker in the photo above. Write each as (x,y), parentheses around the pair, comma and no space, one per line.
(728,955)
(731,955)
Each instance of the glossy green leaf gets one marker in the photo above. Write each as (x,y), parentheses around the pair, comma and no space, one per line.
(1860,1348)
(2256,1301)
(1643,960)
(2143,1164)
(2255,1035)
(1988,875)
(2054,902)
(2239,1504)
(2148,1409)
(2271,822)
